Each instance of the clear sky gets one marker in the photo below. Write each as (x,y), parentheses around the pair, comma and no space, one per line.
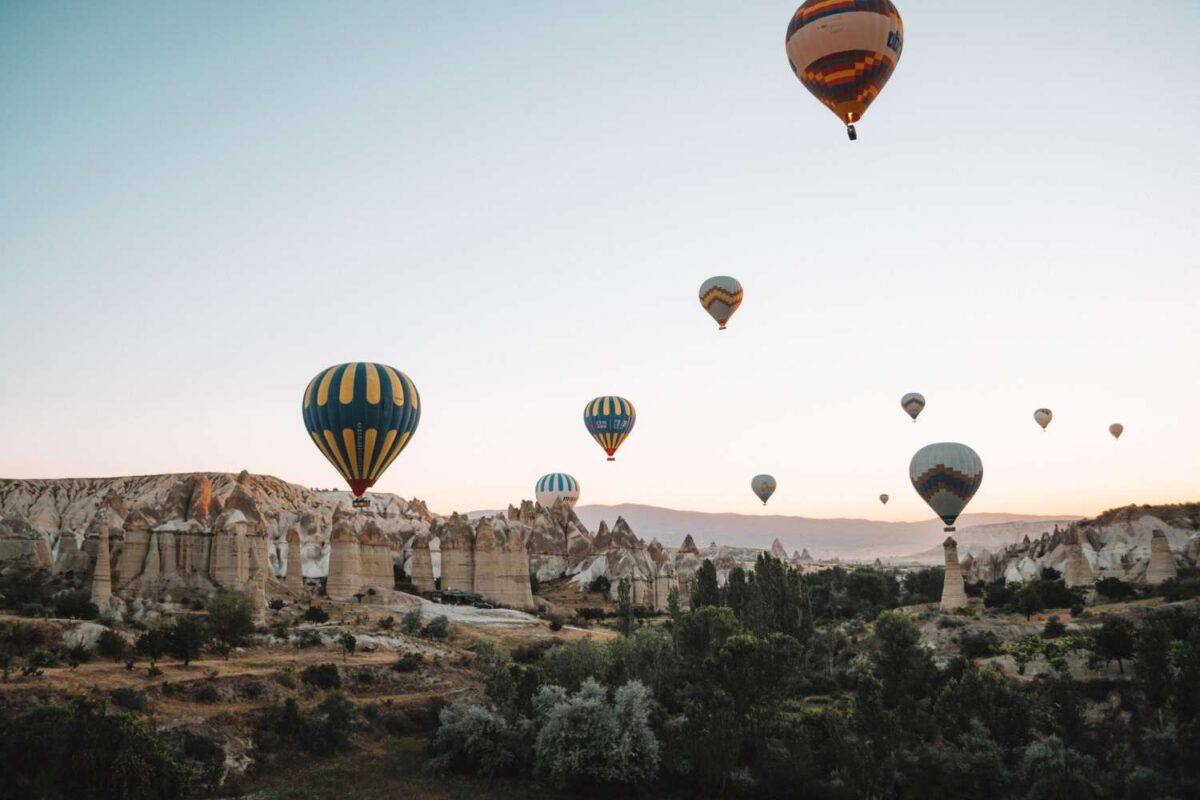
(203,204)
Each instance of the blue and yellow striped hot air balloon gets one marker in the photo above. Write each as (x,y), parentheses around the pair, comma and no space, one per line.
(609,420)
(360,416)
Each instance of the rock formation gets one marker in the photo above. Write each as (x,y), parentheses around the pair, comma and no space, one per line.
(295,564)
(687,563)
(422,566)
(458,554)
(345,571)
(953,594)
(102,574)
(777,551)
(1162,564)
(1077,571)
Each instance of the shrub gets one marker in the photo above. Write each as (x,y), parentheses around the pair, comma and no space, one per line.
(78,654)
(348,644)
(387,623)
(1115,589)
(306,639)
(275,604)
(128,699)
(979,645)
(591,613)
(472,739)
(556,623)
(153,644)
(322,676)
(85,751)
(601,585)
(409,662)
(438,628)
(207,693)
(75,605)
(33,610)
(111,645)
(153,672)
(230,620)
(42,658)
(411,623)
(315,614)
(1054,629)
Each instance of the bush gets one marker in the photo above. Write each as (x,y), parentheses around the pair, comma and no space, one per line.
(591,613)
(85,751)
(411,623)
(33,610)
(1115,589)
(207,693)
(348,644)
(409,662)
(230,620)
(472,739)
(315,614)
(111,645)
(1054,629)
(128,699)
(387,623)
(438,628)
(600,585)
(979,645)
(322,676)
(275,604)
(75,605)
(153,644)
(42,658)
(556,623)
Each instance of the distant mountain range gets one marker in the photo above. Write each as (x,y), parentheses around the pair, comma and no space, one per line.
(824,538)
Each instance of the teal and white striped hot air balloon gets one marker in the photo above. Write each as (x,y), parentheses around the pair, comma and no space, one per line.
(946,475)
(557,486)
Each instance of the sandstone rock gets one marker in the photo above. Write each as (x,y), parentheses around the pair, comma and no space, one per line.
(295,566)
(458,554)
(345,570)
(1161,566)
(200,504)
(953,594)
(777,551)
(101,593)
(422,566)
(137,543)
(1077,571)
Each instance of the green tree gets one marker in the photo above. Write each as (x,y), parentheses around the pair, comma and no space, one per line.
(153,644)
(673,607)
(905,667)
(705,591)
(1052,771)
(1152,664)
(1029,601)
(85,752)
(347,644)
(186,637)
(230,620)
(1113,641)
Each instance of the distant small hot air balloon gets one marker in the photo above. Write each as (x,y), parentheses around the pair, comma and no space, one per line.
(946,475)
(844,51)
(1043,417)
(1116,429)
(883,498)
(763,486)
(721,297)
(914,404)
(556,486)
(609,420)
(360,416)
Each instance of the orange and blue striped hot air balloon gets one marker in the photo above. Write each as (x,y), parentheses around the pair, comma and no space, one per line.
(844,51)
(360,416)
(609,420)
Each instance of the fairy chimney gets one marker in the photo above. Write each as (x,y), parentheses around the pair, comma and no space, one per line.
(953,594)
(1162,564)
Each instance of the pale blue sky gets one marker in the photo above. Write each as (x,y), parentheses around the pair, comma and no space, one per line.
(202,205)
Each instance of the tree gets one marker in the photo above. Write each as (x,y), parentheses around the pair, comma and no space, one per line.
(1052,771)
(230,620)
(411,623)
(905,667)
(625,606)
(348,644)
(153,644)
(106,755)
(1152,667)
(111,644)
(1054,629)
(1113,641)
(705,591)
(1029,601)
(673,607)
(186,638)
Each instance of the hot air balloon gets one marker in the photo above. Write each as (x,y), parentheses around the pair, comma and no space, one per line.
(883,498)
(1116,429)
(946,475)
(914,404)
(557,486)
(1043,417)
(360,416)
(721,297)
(763,486)
(844,51)
(609,420)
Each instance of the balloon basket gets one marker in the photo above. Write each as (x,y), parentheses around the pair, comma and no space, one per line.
(611,458)
(949,529)
(361,502)
(852,133)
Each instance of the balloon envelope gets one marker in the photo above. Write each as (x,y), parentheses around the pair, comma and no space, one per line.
(361,416)
(844,51)
(1043,417)
(946,475)
(609,419)
(1116,429)
(883,498)
(557,486)
(763,486)
(913,403)
(721,297)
